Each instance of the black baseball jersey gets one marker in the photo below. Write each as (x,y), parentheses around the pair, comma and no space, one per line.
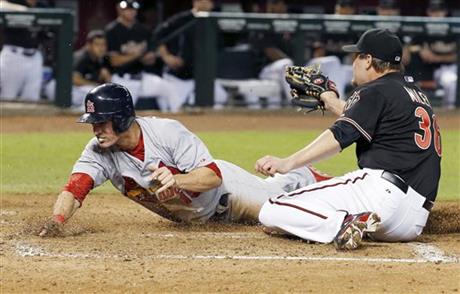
(88,67)
(439,45)
(394,127)
(22,37)
(182,45)
(263,40)
(120,39)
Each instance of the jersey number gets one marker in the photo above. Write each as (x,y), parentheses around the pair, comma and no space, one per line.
(424,141)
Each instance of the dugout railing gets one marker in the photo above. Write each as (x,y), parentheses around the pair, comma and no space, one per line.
(62,20)
(210,24)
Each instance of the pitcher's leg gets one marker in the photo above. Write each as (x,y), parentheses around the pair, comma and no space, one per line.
(317,223)
(316,212)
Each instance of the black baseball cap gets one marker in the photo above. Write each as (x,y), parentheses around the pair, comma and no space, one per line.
(391,4)
(437,5)
(346,3)
(125,4)
(380,43)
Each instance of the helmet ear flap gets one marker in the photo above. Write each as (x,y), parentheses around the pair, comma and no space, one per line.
(121,123)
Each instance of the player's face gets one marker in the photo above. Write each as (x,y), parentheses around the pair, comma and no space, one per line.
(203,5)
(387,11)
(128,14)
(344,10)
(98,47)
(361,64)
(437,13)
(105,134)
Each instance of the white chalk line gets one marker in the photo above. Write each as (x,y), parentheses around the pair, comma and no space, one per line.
(200,235)
(26,250)
(432,253)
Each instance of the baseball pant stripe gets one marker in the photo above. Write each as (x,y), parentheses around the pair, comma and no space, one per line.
(324,187)
(298,207)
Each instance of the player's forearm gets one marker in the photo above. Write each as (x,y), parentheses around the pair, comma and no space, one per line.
(448,58)
(65,206)
(274,54)
(332,103)
(323,147)
(122,59)
(199,180)
(78,80)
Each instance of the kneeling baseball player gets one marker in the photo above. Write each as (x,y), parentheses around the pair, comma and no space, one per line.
(398,146)
(164,167)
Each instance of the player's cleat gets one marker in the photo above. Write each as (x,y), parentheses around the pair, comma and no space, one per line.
(353,229)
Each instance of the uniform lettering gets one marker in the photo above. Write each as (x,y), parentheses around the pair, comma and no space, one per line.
(417,96)
(352,100)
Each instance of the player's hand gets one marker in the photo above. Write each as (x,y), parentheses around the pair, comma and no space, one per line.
(428,56)
(104,75)
(149,58)
(164,175)
(269,165)
(51,228)
(174,62)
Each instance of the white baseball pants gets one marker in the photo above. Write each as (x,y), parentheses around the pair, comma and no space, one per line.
(249,192)
(446,76)
(151,85)
(316,212)
(186,91)
(276,71)
(20,76)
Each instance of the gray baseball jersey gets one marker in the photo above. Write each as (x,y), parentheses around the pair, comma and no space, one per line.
(168,143)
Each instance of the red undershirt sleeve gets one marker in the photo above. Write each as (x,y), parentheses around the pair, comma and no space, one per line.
(213,166)
(79,185)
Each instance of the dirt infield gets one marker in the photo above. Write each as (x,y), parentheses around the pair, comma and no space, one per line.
(114,245)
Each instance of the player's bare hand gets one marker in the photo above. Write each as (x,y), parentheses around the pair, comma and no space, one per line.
(149,58)
(104,75)
(165,176)
(269,165)
(428,56)
(51,228)
(174,62)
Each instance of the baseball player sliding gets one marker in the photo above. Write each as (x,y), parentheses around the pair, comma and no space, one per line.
(398,146)
(164,167)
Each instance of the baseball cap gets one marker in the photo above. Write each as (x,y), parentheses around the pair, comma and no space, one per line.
(391,4)
(125,4)
(437,5)
(346,3)
(380,43)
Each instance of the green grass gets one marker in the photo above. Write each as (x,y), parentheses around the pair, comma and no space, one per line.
(42,162)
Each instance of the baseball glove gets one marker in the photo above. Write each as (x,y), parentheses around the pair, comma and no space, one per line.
(307,84)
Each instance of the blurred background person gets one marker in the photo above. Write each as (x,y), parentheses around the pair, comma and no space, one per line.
(130,52)
(275,50)
(178,54)
(345,7)
(21,66)
(327,51)
(433,59)
(388,8)
(91,68)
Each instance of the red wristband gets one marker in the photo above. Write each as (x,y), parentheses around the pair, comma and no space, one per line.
(59,218)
